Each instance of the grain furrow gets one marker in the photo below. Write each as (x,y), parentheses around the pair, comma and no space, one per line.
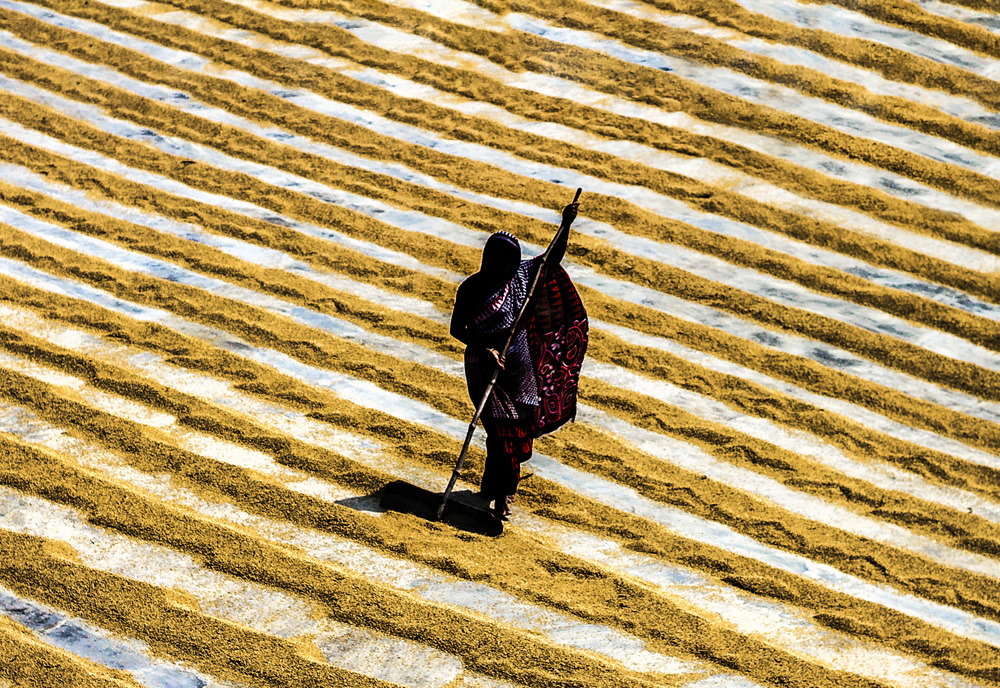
(678,42)
(957,106)
(760,521)
(904,356)
(891,62)
(25,660)
(248,102)
(754,453)
(656,362)
(314,295)
(385,322)
(523,51)
(678,423)
(843,285)
(48,570)
(536,569)
(914,18)
(532,104)
(560,503)
(667,367)
(824,646)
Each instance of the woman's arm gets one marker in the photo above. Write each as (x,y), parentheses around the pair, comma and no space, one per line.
(461,321)
(562,237)
(461,318)
(559,246)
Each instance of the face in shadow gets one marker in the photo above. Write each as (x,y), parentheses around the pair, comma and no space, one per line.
(501,256)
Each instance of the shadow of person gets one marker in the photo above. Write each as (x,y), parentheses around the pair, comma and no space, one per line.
(465,509)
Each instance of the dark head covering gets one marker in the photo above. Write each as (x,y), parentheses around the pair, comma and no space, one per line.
(501,256)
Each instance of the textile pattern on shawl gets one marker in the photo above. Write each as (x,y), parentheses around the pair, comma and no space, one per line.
(543,362)
(516,391)
(557,336)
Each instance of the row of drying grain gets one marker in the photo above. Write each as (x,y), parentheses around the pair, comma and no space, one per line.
(229,240)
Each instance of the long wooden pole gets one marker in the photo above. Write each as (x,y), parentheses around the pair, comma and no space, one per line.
(563,227)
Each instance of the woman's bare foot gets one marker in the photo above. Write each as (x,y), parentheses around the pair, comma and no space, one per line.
(500,509)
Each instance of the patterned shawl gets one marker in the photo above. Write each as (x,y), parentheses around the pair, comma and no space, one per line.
(543,362)
(557,337)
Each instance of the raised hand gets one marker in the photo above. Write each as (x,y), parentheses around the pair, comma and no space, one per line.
(569,214)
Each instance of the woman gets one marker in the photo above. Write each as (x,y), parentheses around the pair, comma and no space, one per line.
(536,390)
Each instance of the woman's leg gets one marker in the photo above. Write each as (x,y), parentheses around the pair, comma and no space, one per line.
(508,445)
(499,471)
